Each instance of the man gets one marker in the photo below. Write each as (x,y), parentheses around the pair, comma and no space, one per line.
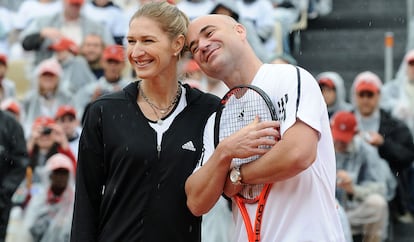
(13,162)
(42,32)
(75,71)
(91,49)
(389,135)
(67,119)
(364,180)
(301,165)
(113,63)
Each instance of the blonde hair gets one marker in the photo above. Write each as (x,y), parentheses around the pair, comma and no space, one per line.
(171,20)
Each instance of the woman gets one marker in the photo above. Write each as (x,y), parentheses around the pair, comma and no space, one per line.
(139,145)
(47,96)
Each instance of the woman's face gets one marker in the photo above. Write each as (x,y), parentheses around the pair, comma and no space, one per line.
(150,50)
(48,82)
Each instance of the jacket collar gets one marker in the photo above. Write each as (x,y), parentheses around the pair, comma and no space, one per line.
(191,93)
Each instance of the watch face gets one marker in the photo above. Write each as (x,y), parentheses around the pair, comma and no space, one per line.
(234,176)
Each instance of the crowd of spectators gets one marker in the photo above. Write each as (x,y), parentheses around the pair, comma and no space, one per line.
(73,52)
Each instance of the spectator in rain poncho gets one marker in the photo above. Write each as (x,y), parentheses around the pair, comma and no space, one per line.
(333,91)
(389,135)
(398,95)
(364,181)
(48,216)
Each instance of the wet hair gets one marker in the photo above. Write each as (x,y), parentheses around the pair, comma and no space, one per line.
(171,20)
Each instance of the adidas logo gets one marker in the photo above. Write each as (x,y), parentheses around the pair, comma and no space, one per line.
(189,146)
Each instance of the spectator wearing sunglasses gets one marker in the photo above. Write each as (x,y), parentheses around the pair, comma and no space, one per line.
(389,135)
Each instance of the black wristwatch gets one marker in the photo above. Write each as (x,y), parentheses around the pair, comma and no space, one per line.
(235,176)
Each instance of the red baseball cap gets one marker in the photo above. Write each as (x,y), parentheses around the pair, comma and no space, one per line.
(43,121)
(326,82)
(76,1)
(343,126)
(50,65)
(65,44)
(366,86)
(367,81)
(3,59)
(65,110)
(114,52)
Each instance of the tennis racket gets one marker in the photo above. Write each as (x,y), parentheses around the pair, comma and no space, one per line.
(239,107)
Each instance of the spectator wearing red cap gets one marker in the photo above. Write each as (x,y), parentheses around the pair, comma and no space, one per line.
(47,96)
(71,22)
(364,180)
(390,136)
(75,71)
(7,86)
(47,138)
(113,63)
(48,215)
(333,91)
(66,117)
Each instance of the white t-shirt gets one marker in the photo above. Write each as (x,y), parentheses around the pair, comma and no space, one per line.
(302,208)
(30,10)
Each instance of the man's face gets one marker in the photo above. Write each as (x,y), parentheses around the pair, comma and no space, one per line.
(367,102)
(72,10)
(92,48)
(113,69)
(341,146)
(59,179)
(210,40)
(48,81)
(69,123)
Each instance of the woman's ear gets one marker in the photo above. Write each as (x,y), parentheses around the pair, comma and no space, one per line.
(178,44)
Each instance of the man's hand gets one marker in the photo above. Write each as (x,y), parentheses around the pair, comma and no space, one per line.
(250,140)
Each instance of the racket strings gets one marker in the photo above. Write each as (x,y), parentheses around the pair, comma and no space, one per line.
(241,108)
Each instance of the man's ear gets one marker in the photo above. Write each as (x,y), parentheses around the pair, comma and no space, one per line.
(240,29)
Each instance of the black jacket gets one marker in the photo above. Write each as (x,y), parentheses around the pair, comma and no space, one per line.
(126,188)
(398,147)
(13,158)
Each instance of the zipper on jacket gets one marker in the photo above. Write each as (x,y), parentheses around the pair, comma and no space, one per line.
(159,151)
